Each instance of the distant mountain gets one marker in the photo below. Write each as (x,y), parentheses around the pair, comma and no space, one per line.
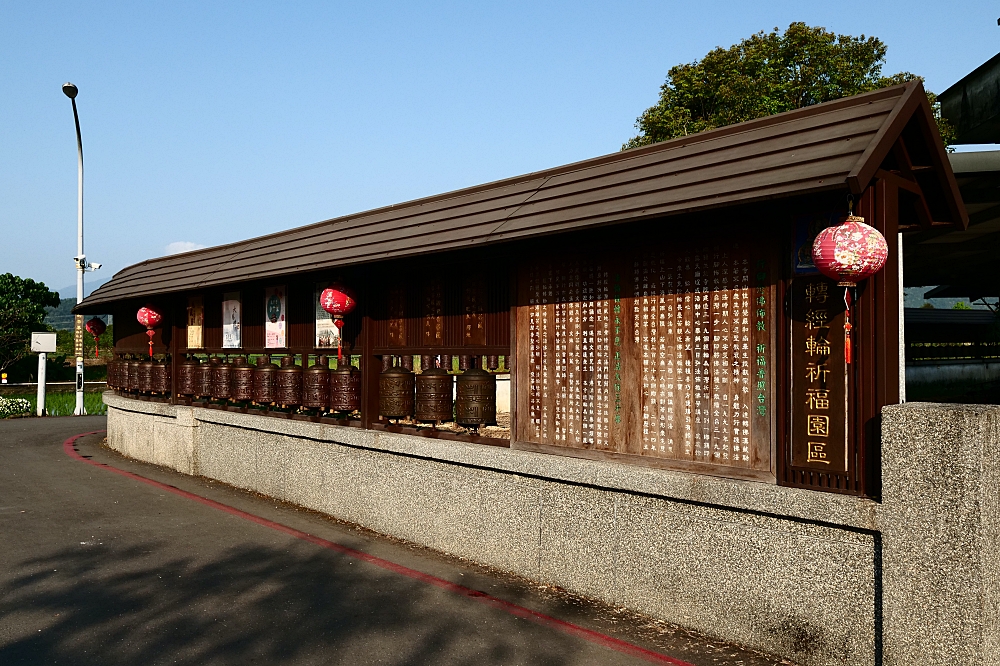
(89,286)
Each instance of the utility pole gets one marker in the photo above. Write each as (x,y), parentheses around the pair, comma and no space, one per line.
(72,91)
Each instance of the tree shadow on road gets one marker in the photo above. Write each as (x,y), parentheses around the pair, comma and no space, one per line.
(254,605)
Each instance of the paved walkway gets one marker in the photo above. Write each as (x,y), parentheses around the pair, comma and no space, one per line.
(110,561)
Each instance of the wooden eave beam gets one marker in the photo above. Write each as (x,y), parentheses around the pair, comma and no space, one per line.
(882,143)
(942,167)
(923,211)
(912,102)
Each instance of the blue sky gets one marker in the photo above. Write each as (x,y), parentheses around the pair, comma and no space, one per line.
(208,122)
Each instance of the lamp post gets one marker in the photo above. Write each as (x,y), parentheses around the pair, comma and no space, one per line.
(80,259)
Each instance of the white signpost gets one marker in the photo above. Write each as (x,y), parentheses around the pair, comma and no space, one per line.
(42,343)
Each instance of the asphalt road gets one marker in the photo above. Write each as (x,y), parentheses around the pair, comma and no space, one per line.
(102,568)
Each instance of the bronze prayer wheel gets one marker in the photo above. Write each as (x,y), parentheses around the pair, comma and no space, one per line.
(395,393)
(185,376)
(345,387)
(386,362)
(434,395)
(426,362)
(476,398)
(241,380)
(446,362)
(316,384)
(144,380)
(203,378)
(464,362)
(115,374)
(406,360)
(161,378)
(221,381)
(264,381)
(288,389)
(112,372)
(132,375)
(493,363)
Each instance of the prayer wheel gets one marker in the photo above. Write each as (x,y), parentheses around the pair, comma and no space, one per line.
(386,362)
(161,378)
(288,389)
(316,384)
(112,374)
(446,362)
(395,393)
(426,362)
(144,382)
(132,375)
(221,381)
(185,376)
(464,362)
(493,363)
(241,380)
(406,361)
(264,381)
(476,398)
(345,387)
(434,395)
(203,379)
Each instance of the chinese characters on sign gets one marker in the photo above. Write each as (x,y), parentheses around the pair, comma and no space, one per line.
(231,320)
(663,354)
(819,395)
(195,322)
(274,321)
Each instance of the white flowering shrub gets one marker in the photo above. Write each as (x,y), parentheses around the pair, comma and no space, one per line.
(13,407)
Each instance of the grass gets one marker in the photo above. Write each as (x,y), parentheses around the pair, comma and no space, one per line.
(62,403)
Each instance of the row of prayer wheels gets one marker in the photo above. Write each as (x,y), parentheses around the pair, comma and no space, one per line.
(287,386)
(139,376)
(434,395)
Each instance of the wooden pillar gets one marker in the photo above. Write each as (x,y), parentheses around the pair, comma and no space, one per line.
(370,365)
(178,310)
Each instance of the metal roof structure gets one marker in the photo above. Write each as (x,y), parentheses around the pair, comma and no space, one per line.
(963,262)
(838,145)
(972,105)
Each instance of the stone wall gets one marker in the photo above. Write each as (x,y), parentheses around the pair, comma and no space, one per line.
(815,577)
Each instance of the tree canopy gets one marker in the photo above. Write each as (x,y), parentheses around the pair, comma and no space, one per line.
(764,74)
(22,311)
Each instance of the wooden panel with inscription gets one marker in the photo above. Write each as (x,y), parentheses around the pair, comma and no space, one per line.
(446,310)
(664,353)
(820,390)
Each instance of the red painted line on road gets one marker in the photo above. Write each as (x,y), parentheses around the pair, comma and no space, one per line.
(69,446)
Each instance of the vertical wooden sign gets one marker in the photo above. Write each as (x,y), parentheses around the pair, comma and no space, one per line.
(397,317)
(818,376)
(433,313)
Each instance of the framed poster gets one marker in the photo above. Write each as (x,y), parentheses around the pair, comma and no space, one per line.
(195,322)
(231,320)
(274,320)
(327,335)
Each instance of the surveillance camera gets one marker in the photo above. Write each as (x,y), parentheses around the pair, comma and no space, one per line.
(95,266)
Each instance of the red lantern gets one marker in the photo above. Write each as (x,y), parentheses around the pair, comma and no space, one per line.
(149,318)
(96,328)
(849,253)
(338,300)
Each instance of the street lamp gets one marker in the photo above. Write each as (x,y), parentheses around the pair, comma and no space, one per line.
(80,259)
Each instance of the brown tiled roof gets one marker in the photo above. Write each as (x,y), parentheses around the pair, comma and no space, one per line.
(836,145)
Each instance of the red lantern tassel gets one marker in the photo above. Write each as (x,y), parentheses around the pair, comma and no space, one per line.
(151,333)
(847,326)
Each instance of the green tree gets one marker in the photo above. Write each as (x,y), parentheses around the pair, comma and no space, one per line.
(22,311)
(768,73)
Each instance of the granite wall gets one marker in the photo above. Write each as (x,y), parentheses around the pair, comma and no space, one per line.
(814,577)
